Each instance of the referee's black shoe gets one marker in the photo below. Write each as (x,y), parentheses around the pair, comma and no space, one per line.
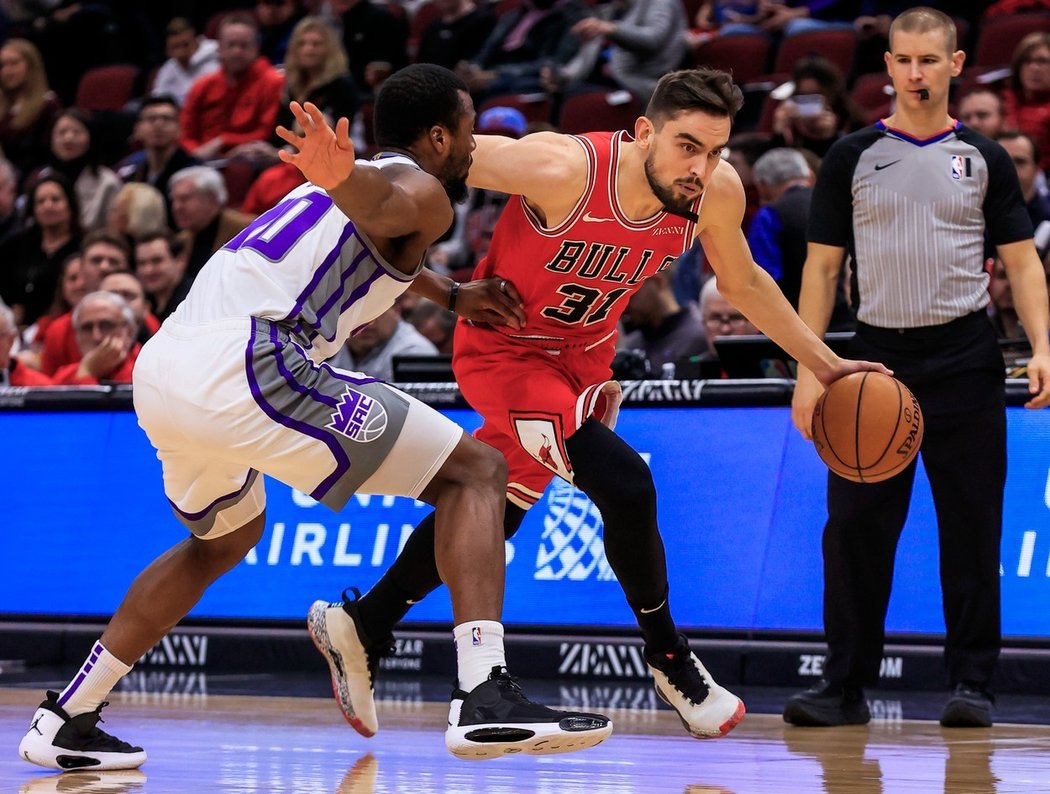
(969,706)
(826,704)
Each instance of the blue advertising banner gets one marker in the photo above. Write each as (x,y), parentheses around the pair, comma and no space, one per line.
(741,511)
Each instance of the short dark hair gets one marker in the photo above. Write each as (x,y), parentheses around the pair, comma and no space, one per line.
(922,19)
(1017,135)
(179,25)
(413,100)
(109,238)
(710,90)
(159,99)
(175,242)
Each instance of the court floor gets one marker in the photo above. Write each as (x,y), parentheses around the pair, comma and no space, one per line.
(202,740)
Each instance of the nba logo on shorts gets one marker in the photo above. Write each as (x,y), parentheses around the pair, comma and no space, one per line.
(475,635)
(359,417)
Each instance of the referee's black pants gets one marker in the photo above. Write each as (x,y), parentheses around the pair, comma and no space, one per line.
(956,372)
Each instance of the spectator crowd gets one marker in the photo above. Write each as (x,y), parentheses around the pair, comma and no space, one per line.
(136,141)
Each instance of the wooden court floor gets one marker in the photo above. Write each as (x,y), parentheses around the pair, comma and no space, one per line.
(229,743)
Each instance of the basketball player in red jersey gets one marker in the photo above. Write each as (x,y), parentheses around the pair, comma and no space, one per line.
(589,219)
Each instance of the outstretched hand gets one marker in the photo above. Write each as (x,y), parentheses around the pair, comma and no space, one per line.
(325,156)
(491,300)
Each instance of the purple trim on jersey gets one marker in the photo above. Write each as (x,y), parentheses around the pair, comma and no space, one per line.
(326,264)
(202,513)
(342,462)
(360,292)
(289,376)
(333,299)
(940,136)
(70,690)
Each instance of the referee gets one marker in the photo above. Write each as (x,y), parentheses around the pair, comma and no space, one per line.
(911,199)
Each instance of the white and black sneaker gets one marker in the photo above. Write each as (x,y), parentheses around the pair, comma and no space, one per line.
(706,709)
(495,718)
(57,741)
(352,659)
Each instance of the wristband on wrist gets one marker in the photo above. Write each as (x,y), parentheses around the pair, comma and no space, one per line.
(453,291)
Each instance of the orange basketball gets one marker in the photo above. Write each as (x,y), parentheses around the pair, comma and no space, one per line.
(867,427)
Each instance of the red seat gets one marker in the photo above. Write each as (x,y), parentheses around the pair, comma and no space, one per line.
(743,55)
(238,176)
(107,88)
(425,16)
(999,36)
(836,46)
(536,108)
(869,91)
(594,111)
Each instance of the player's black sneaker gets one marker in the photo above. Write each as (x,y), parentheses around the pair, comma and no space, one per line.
(57,741)
(495,718)
(352,659)
(706,709)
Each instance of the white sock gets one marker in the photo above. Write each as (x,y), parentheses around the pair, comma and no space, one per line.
(89,687)
(479,648)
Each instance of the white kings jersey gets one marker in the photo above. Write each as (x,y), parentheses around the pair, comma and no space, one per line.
(303,265)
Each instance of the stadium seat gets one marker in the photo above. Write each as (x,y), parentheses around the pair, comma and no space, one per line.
(743,55)
(238,176)
(598,110)
(869,91)
(425,16)
(107,88)
(534,107)
(999,36)
(835,45)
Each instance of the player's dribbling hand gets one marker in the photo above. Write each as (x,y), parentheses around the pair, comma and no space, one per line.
(491,300)
(325,156)
(1038,381)
(807,391)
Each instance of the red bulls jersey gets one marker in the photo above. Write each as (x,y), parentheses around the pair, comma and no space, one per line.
(577,277)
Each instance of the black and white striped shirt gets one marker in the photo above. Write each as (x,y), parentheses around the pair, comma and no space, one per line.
(913,214)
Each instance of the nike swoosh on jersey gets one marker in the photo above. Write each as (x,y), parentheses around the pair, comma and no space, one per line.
(591,219)
(880,166)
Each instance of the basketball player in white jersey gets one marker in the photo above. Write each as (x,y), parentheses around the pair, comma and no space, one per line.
(234,386)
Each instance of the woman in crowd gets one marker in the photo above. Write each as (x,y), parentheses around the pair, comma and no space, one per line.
(1027,99)
(138,210)
(31,260)
(27,106)
(820,110)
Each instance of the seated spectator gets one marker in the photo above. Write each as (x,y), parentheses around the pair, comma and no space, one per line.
(793,18)
(105,329)
(27,106)
(372,349)
(128,286)
(32,258)
(314,71)
(535,35)
(1027,99)
(160,264)
(137,210)
(656,324)
(777,235)
(198,202)
(74,282)
(1001,306)
(158,130)
(239,102)
(820,110)
(101,254)
(982,110)
(10,217)
(190,57)
(14,372)
(276,19)
(375,40)
(720,319)
(436,323)
(75,156)
(630,51)
(458,34)
(1024,152)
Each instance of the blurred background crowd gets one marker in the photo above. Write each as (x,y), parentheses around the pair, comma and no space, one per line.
(138,138)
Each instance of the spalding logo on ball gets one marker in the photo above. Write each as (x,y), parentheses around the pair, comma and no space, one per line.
(867,427)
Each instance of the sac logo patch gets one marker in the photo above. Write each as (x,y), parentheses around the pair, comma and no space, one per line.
(359,417)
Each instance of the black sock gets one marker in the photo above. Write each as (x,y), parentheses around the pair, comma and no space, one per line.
(657,626)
